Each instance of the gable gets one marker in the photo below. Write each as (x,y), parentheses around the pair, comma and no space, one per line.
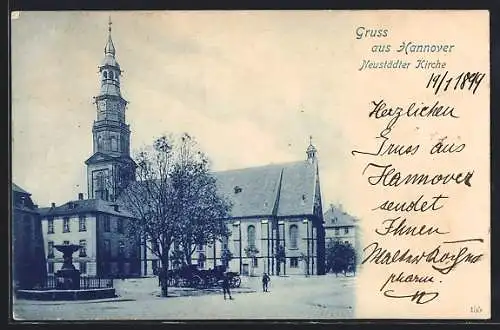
(98,157)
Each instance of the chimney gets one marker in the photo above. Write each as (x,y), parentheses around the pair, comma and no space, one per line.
(53,204)
(80,196)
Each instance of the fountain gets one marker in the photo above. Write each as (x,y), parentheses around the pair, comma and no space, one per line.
(67,286)
(68,277)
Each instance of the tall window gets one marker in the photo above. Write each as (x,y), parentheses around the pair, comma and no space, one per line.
(83,248)
(50,225)
(294,262)
(119,225)
(294,231)
(50,269)
(50,249)
(107,248)
(251,236)
(346,230)
(83,267)
(107,223)
(337,232)
(82,223)
(66,225)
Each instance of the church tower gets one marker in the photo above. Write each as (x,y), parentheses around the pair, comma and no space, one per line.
(311,151)
(110,168)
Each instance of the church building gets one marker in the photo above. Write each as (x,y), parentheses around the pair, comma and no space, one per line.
(276,221)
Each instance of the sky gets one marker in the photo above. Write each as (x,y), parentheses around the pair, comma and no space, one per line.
(251,88)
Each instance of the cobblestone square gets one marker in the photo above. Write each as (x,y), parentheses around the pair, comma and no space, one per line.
(293,297)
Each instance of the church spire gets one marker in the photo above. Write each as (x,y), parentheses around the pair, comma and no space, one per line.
(110,47)
(311,151)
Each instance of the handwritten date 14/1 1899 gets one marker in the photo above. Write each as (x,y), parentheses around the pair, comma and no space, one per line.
(465,80)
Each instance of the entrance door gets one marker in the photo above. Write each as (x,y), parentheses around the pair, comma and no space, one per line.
(244,269)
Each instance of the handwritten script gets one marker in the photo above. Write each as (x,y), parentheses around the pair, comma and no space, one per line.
(401,220)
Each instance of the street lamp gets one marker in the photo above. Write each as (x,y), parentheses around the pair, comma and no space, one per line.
(266,222)
(238,223)
(281,230)
(307,240)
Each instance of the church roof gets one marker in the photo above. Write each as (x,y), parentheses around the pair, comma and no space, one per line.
(335,216)
(278,189)
(281,190)
(82,206)
(18,189)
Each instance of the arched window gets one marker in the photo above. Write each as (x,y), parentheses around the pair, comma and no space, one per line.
(110,74)
(105,74)
(251,236)
(114,143)
(294,231)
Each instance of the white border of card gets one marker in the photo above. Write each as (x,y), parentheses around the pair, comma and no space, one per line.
(251,165)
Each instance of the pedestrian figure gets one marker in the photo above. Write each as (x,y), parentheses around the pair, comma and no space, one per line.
(225,286)
(265,281)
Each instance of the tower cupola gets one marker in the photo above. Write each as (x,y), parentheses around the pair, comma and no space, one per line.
(311,151)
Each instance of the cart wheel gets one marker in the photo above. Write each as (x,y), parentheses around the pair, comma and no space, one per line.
(235,282)
(172,281)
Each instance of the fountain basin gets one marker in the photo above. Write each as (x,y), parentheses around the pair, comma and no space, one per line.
(56,294)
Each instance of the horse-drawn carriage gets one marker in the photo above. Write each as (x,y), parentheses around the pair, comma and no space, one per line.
(191,276)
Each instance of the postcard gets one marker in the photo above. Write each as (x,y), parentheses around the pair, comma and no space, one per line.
(285,165)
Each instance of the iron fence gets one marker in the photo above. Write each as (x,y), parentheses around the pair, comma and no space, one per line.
(86,282)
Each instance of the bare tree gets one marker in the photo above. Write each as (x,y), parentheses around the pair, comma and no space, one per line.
(174,200)
(201,210)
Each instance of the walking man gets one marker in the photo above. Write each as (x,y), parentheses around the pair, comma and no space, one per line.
(265,281)
(225,286)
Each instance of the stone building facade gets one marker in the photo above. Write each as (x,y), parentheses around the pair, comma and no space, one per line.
(28,259)
(101,229)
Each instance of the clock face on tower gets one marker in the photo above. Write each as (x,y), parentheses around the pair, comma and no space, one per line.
(102,106)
